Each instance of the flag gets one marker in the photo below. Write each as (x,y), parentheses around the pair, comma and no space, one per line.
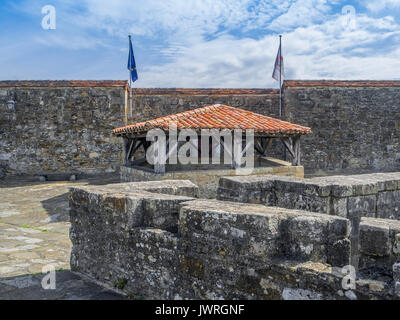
(131,63)
(279,70)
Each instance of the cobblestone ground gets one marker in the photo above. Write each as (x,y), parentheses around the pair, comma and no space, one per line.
(34,232)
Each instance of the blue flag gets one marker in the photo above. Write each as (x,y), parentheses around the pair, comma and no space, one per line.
(131,63)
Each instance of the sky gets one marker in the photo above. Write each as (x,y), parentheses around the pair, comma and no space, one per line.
(201,43)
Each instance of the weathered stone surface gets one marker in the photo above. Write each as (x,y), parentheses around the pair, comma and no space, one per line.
(378,244)
(262,232)
(396,271)
(220,250)
(370,195)
(59,129)
(63,129)
(207,180)
(362,206)
(388,205)
(350,197)
(354,128)
(375,240)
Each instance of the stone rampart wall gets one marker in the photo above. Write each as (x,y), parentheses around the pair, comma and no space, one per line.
(370,195)
(60,126)
(355,124)
(65,126)
(172,246)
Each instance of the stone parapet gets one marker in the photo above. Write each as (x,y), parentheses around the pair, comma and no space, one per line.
(172,246)
(373,195)
(206,179)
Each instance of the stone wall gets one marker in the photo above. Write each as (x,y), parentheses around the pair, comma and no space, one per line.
(375,196)
(153,103)
(60,126)
(355,124)
(371,195)
(65,126)
(182,248)
(56,126)
(207,180)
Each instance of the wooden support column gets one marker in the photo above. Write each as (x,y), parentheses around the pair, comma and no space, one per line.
(125,143)
(159,167)
(296,146)
(293,146)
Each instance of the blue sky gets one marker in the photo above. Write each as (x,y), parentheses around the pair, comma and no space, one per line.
(207,43)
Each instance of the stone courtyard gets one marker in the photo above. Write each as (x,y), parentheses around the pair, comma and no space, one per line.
(262,238)
(34,232)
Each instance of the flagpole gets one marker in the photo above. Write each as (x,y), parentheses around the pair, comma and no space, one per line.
(130,88)
(280,76)
(280,86)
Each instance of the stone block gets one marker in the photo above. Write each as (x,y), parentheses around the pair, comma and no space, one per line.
(397,289)
(338,207)
(388,205)
(361,206)
(374,239)
(396,271)
(162,211)
(259,231)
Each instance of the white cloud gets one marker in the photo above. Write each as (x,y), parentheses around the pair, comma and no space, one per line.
(175,18)
(302,13)
(327,51)
(67,41)
(379,5)
(227,43)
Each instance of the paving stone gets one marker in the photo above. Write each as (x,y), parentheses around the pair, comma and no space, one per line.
(34,232)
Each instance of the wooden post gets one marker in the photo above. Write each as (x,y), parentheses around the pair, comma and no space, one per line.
(293,146)
(125,142)
(296,147)
(159,157)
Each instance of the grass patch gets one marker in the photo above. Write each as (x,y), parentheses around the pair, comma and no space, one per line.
(27,226)
(121,283)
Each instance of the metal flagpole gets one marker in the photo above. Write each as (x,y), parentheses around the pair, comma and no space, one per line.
(130,84)
(280,87)
(280,76)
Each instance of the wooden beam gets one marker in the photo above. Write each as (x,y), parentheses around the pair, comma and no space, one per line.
(258,146)
(125,142)
(287,142)
(139,161)
(268,145)
(128,154)
(296,146)
(140,142)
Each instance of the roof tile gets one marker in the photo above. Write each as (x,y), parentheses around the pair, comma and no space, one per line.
(218,117)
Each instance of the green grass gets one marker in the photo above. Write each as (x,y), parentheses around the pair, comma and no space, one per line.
(27,226)
(121,283)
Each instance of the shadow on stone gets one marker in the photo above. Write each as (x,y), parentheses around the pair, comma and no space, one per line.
(68,286)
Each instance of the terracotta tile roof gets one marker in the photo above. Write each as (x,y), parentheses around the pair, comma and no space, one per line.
(218,116)
(64,83)
(207,91)
(340,83)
